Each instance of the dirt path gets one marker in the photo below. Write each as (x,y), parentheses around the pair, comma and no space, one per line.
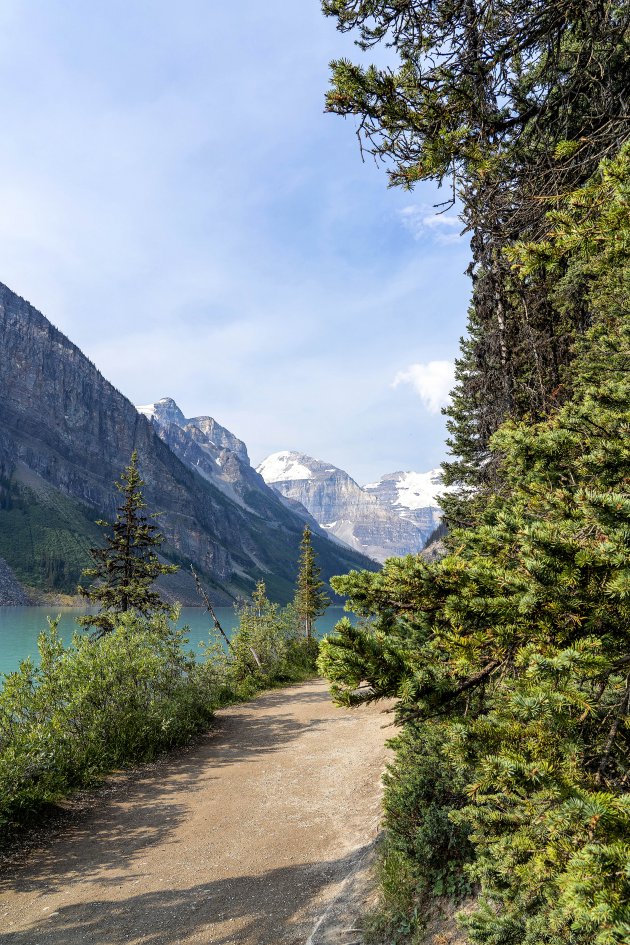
(247,838)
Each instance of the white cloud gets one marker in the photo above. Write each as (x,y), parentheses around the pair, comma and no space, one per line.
(433,382)
(422,220)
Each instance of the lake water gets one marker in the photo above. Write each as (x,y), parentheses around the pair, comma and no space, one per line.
(20,627)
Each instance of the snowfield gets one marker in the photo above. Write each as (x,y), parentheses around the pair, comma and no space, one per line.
(420,490)
(283,467)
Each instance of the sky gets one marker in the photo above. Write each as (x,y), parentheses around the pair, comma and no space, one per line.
(174,199)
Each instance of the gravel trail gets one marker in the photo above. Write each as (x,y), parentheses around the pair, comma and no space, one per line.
(250,837)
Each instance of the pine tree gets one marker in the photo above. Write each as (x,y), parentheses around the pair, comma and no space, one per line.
(517,643)
(126,567)
(311,600)
(512,104)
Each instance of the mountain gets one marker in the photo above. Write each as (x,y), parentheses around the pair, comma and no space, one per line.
(65,436)
(380,520)
(210,435)
(412,496)
(215,453)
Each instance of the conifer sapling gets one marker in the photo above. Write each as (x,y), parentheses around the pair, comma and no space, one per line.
(126,567)
(311,600)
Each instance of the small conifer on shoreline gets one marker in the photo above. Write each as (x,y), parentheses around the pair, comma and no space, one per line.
(128,564)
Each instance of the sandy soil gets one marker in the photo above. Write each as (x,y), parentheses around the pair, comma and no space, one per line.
(251,837)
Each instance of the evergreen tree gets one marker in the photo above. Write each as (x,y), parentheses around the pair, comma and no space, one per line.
(126,567)
(513,104)
(513,649)
(311,600)
(517,643)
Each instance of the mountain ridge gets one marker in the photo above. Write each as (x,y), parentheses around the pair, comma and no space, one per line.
(390,518)
(217,454)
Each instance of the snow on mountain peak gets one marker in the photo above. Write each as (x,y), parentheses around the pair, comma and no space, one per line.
(207,432)
(165,410)
(391,517)
(408,491)
(419,490)
(284,467)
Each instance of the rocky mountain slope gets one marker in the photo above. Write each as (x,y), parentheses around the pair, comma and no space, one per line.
(65,435)
(11,593)
(214,453)
(412,496)
(389,518)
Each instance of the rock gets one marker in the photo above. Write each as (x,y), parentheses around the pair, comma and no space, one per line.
(12,594)
(434,551)
(64,423)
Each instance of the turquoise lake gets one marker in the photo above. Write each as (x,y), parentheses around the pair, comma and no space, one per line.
(20,627)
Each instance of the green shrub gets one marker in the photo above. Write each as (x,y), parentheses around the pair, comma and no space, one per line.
(422,789)
(102,703)
(423,852)
(95,705)
(269,646)
(398,919)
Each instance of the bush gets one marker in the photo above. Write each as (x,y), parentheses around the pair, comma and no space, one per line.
(269,646)
(422,789)
(424,852)
(96,705)
(102,703)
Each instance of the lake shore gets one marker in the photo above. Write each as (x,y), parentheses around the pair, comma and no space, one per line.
(20,627)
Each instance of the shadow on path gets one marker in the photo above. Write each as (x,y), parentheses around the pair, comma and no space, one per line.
(140,810)
(265,910)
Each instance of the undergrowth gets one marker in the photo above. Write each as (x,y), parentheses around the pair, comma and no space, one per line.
(423,854)
(101,704)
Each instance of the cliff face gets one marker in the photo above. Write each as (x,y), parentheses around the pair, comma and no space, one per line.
(63,425)
(342,507)
(213,452)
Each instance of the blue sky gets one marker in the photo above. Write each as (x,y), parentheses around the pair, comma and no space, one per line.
(176,201)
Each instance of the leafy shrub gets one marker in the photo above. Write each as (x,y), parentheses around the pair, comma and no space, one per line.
(102,703)
(269,646)
(95,705)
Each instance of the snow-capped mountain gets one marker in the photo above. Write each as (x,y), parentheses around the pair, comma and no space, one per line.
(221,459)
(388,519)
(411,495)
(65,436)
